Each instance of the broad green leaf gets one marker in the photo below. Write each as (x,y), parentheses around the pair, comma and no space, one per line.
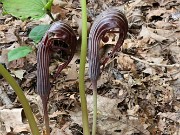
(19,52)
(38,32)
(24,9)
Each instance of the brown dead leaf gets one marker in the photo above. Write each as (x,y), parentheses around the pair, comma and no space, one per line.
(56,131)
(169,34)
(39,104)
(7,103)
(128,43)
(136,18)
(57,113)
(106,107)
(133,112)
(166,2)
(18,73)
(13,119)
(8,37)
(79,23)
(164,25)
(16,63)
(4,54)
(45,20)
(157,12)
(104,78)
(125,63)
(108,117)
(148,34)
(56,9)
(3,27)
(133,5)
(29,77)
(72,73)
(157,60)
(173,116)
(31,58)
(60,3)
(149,70)
(13,64)
(134,82)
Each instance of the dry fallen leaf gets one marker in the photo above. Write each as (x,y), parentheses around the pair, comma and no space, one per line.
(18,73)
(164,25)
(72,72)
(5,99)
(60,3)
(173,116)
(8,37)
(148,34)
(106,108)
(125,63)
(133,112)
(57,131)
(13,119)
(149,70)
(101,81)
(158,12)
(56,9)
(4,54)
(79,23)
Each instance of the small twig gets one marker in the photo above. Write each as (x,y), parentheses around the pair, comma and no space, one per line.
(155,64)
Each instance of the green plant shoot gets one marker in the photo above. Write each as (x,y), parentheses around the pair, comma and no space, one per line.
(22,99)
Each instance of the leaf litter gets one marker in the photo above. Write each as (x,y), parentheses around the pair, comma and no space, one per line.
(139,89)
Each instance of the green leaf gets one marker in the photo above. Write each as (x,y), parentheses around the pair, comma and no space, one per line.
(19,52)
(38,32)
(24,9)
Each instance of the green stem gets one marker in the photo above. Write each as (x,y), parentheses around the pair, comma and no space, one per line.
(22,99)
(50,15)
(82,70)
(94,85)
(47,8)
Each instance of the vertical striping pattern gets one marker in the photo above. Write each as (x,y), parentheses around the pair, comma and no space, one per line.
(53,41)
(58,31)
(107,20)
(43,58)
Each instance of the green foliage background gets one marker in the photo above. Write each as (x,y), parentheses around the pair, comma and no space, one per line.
(25,9)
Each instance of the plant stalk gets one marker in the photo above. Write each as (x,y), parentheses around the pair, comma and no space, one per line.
(22,99)
(46,116)
(82,70)
(94,86)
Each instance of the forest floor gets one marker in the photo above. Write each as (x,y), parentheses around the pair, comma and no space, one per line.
(138,91)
